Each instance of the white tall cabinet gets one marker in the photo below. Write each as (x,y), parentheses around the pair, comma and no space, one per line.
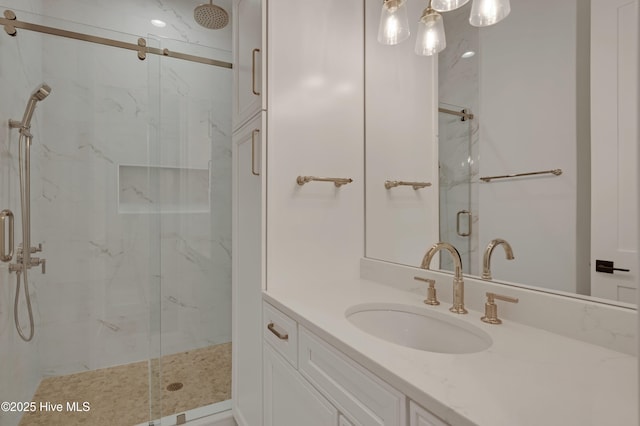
(248,54)
(248,266)
(249,177)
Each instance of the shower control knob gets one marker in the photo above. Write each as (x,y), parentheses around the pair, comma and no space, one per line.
(43,263)
(36,249)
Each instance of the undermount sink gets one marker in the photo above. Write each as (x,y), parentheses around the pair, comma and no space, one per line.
(419,328)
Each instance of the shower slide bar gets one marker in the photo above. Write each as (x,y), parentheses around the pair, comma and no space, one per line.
(11,24)
(464,114)
(556,172)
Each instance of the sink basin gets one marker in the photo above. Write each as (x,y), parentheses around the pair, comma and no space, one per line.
(419,328)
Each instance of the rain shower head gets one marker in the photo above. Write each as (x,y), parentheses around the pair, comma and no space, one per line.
(211,16)
(39,94)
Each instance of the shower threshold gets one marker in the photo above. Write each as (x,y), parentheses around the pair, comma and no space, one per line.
(209,415)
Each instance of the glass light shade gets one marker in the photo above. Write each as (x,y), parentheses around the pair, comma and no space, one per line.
(488,12)
(394,24)
(430,38)
(447,5)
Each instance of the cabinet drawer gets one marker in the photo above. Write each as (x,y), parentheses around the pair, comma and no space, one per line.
(281,332)
(361,396)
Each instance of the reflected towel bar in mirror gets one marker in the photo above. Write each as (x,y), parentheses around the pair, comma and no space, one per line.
(556,172)
(338,182)
(416,185)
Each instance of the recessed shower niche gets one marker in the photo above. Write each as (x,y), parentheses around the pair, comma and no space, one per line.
(156,189)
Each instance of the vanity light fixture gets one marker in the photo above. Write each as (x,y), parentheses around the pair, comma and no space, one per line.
(431,39)
(394,25)
(447,5)
(488,12)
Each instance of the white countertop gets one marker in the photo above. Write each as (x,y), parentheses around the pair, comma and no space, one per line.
(527,377)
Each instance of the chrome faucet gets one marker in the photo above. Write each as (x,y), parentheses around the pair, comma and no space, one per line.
(458,282)
(486,260)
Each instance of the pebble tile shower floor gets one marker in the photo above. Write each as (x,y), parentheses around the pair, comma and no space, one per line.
(119,396)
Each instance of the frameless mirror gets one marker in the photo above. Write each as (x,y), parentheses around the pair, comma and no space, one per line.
(531,138)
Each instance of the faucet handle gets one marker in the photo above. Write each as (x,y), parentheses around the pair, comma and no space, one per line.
(491,309)
(431,299)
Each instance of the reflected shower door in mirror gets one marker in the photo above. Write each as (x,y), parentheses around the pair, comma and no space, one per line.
(549,111)
(457,193)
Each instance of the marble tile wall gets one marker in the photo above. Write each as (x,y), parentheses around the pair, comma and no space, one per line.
(119,287)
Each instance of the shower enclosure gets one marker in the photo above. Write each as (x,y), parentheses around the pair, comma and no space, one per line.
(131,200)
(458,190)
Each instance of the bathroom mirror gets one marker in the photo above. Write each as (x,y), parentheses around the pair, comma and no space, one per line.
(543,102)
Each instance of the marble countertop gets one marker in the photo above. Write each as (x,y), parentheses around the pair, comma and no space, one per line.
(527,377)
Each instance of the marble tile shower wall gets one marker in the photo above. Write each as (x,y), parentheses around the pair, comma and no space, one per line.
(119,283)
(458,85)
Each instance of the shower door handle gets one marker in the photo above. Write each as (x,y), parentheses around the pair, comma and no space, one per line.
(6,215)
(460,213)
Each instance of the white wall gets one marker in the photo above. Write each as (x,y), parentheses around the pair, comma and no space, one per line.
(522,131)
(315,232)
(100,302)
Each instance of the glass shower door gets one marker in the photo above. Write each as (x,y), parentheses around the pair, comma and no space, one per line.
(455,175)
(191,173)
(92,306)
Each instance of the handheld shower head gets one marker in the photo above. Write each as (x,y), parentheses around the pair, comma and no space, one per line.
(39,94)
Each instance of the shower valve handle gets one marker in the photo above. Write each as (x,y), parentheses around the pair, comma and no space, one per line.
(36,249)
(43,263)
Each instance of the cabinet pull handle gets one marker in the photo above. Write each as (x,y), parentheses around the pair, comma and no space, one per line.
(253,72)
(4,256)
(253,152)
(460,213)
(281,336)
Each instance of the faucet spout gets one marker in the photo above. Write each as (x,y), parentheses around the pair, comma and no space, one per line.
(486,260)
(458,282)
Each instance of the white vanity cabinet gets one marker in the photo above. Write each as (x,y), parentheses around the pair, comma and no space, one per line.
(248,55)
(418,416)
(247,277)
(308,381)
(291,400)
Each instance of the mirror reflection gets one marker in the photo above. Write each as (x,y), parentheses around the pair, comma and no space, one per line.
(532,153)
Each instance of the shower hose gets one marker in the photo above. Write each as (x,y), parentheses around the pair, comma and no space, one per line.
(26,240)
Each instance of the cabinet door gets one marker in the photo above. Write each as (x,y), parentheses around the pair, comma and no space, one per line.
(289,400)
(248,55)
(247,274)
(421,417)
